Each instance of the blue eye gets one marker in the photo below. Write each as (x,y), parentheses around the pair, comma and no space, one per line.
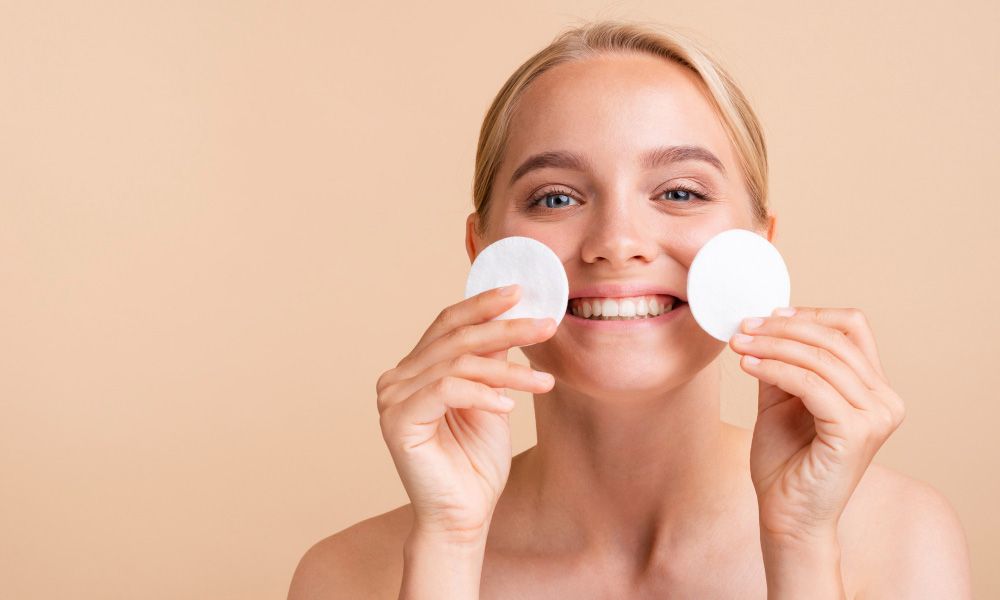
(681,194)
(552,199)
(557,200)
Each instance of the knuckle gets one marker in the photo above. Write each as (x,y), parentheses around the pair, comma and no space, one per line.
(834,337)
(463,363)
(824,357)
(446,385)
(383,380)
(385,397)
(883,424)
(897,410)
(444,317)
(857,316)
(811,380)
(461,335)
(785,324)
(825,315)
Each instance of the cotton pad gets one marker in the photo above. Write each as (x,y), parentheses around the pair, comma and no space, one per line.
(532,265)
(737,274)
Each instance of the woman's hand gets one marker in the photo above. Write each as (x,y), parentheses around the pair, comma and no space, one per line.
(825,408)
(445,419)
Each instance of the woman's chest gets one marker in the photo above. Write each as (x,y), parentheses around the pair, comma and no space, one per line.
(722,576)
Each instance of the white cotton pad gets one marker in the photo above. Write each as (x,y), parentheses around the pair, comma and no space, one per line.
(532,265)
(737,274)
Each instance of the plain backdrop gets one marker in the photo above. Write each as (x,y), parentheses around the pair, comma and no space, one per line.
(221,221)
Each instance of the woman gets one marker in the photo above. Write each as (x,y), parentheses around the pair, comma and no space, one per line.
(624,150)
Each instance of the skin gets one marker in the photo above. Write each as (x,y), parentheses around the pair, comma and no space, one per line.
(636,487)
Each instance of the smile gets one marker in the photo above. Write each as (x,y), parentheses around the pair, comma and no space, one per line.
(631,308)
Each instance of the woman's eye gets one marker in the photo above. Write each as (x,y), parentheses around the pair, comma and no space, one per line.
(556,200)
(679,195)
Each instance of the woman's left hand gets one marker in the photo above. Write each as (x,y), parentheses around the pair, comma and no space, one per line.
(825,408)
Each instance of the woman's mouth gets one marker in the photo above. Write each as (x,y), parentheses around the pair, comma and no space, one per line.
(630,308)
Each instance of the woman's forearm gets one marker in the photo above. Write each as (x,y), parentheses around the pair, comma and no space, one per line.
(439,566)
(802,568)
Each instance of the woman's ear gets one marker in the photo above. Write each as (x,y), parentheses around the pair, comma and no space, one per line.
(470,235)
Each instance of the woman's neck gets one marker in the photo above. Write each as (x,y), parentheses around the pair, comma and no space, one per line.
(638,476)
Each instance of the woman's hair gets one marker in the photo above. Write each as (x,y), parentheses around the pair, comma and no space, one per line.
(592,39)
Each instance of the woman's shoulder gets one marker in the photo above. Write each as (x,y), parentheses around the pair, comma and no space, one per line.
(908,536)
(356,562)
(900,536)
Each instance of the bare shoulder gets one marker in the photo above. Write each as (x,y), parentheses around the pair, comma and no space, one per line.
(363,561)
(905,539)
(900,537)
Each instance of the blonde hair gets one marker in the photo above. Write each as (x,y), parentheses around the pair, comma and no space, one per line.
(591,39)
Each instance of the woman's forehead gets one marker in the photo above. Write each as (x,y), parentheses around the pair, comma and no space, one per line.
(616,106)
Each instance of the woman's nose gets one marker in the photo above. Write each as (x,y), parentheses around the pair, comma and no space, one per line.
(618,236)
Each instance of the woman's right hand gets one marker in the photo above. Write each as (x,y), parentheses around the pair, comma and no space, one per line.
(445,419)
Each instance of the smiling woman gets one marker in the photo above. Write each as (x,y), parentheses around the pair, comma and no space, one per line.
(624,149)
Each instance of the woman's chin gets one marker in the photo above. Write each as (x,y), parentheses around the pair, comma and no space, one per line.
(632,378)
(614,371)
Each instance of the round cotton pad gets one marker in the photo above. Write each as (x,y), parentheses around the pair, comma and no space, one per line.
(737,274)
(532,265)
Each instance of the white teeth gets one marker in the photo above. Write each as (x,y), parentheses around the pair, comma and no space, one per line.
(637,307)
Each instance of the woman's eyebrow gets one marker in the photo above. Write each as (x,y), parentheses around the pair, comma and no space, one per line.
(558,159)
(667,154)
(651,159)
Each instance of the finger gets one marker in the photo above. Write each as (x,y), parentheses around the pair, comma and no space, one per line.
(430,402)
(825,364)
(817,395)
(475,309)
(497,374)
(852,323)
(829,338)
(481,339)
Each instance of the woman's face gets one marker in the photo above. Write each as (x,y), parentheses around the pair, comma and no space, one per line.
(641,177)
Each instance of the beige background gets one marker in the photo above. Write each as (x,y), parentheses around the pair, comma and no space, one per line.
(221,221)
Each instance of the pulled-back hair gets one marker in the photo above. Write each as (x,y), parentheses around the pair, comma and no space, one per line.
(600,37)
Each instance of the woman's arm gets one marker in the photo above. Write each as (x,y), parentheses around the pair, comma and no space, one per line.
(436,566)
(802,568)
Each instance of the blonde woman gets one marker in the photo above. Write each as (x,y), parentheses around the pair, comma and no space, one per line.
(624,148)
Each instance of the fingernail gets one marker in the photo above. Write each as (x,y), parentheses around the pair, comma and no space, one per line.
(784,311)
(743,338)
(542,376)
(507,290)
(753,323)
(751,360)
(506,402)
